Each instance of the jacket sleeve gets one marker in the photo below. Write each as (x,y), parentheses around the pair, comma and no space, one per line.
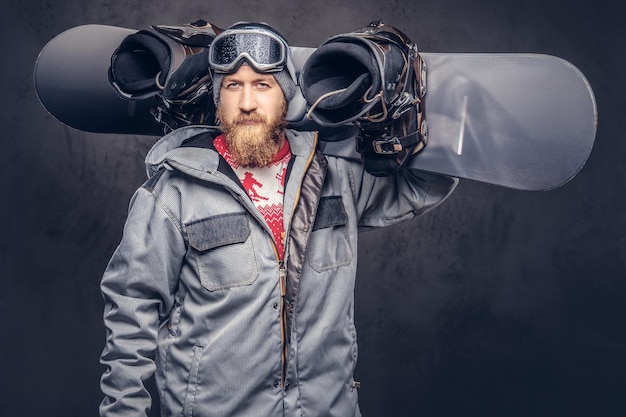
(137,287)
(384,201)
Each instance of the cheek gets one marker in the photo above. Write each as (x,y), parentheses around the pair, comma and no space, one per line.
(227,107)
(273,104)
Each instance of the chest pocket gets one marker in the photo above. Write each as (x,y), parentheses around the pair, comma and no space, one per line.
(329,247)
(223,251)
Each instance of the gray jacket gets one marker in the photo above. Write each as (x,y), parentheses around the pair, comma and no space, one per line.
(195,291)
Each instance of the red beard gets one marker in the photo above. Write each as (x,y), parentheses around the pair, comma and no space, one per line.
(254,144)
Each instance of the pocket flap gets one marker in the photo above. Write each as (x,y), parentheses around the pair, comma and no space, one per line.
(221,230)
(330,212)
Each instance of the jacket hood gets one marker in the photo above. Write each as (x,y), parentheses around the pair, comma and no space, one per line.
(169,149)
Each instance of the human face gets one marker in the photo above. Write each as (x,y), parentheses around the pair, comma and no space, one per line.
(251,111)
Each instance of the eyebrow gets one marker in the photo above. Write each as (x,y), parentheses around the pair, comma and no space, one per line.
(260,77)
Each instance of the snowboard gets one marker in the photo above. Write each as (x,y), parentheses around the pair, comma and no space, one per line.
(522,121)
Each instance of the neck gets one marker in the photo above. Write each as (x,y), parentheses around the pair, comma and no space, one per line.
(281,140)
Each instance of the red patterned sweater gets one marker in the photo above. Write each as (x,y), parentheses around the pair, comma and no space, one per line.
(265,186)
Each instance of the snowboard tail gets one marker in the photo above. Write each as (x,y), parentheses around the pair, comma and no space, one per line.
(523,121)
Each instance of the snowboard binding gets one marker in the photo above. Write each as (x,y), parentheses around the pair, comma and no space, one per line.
(169,62)
(376,79)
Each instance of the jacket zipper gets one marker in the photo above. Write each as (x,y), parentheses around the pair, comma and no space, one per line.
(283,278)
(283,322)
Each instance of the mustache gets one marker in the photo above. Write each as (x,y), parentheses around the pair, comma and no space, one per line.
(251,117)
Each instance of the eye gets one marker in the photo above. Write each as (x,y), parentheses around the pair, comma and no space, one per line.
(229,84)
(266,83)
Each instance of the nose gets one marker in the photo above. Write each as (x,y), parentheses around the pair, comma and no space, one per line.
(247,100)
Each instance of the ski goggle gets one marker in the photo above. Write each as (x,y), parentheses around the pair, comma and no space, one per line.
(264,50)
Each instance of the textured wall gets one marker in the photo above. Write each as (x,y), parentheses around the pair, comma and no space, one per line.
(499,303)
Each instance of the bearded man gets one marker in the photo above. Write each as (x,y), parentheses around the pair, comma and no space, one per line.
(234,280)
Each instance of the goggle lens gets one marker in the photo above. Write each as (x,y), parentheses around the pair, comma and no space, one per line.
(263,51)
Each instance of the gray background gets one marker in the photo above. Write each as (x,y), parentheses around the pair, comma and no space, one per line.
(499,303)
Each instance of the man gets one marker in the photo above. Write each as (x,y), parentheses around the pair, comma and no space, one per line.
(234,279)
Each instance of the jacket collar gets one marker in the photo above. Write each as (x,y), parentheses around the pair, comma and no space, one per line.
(177,147)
